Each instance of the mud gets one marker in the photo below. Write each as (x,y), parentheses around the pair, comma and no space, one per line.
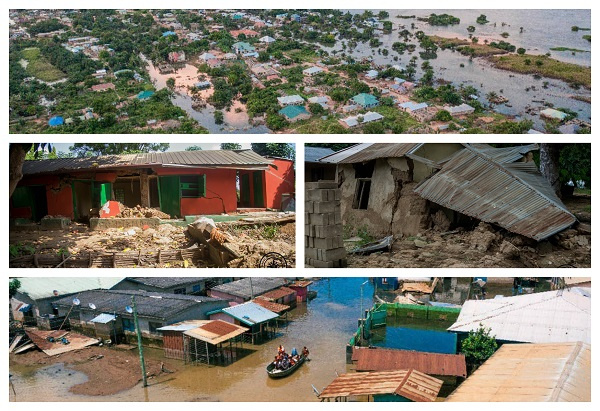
(120,370)
(485,246)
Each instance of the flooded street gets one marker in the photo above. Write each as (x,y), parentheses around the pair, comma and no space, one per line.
(235,119)
(324,325)
(538,37)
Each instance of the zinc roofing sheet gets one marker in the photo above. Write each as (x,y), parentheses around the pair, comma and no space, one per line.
(278,293)
(383,359)
(76,341)
(410,384)
(271,306)
(216,331)
(370,151)
(548,317)
(513,195)
(250,287)
(313,154)
(205,158)
(43,287)
(531,372)
(104,318)
(250,313)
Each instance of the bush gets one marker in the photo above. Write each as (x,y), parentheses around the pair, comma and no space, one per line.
(478,347)
(521,50)
(443,115)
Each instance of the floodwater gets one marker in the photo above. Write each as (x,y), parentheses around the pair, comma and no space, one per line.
(542,30)
(235,119)
(324,325)
(417,335)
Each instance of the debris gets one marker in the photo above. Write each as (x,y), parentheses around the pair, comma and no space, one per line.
(385,244)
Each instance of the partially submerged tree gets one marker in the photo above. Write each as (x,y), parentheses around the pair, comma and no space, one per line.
(478,347)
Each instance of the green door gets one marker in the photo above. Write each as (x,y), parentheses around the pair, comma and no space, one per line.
(257,181)
(168,195)
(245,190)
(101,193)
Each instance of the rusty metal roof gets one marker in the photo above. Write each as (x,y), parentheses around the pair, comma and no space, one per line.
(271,306)
(301,283)
(383,359)
(199,158)
(531,372)
(486,183)
(277,293)
(411,384)
(75,341)
(370,151)
(216,331)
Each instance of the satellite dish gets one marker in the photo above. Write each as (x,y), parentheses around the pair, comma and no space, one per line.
(129,309)
(76,301)
(92,306)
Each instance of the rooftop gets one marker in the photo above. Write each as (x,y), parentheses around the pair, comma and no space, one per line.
(44,287)
(250,313)
(412,106)
(250,287)
(313,154)
(204,158)
(365,99)
(166,282)
(149,304)
(370,151)
(277,293)
(293,111)
(531,372)
(216,331)
(548,317)
(294,99)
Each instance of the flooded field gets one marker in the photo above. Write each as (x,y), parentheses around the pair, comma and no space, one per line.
(324,325)
(235,119)
(538,37)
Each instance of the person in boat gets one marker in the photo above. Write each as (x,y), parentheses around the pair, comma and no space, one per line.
(294,352)
(285,363)
(305,352)
(281,350)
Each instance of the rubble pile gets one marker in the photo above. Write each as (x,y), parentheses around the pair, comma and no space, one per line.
(140,212)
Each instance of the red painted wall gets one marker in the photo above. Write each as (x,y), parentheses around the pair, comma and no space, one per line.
(279,179)
(221,195)
(59,199)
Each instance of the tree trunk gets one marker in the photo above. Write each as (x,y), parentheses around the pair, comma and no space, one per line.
(549,164)
(16,159)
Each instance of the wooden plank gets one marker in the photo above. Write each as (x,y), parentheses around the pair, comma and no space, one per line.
(15,342)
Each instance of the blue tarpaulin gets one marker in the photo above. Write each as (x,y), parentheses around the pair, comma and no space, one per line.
(26,308)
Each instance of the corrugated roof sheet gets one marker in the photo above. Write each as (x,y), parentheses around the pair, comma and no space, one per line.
(383,359)
(313,154)
(250,313)
(548,317)
(183,326)
(200,158)
(531,372)
(486,185)
(250,287)
(410,384)
(370,151)
(76,341)
(43,287)
(271,306)
(149,304)
(277,293)
(104,318)
(166,282)
(216,331)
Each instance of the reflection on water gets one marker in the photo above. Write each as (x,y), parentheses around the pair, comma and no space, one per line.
(236,118)
(418,335)
(324,325)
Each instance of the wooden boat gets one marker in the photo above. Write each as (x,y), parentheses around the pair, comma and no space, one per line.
(275,373)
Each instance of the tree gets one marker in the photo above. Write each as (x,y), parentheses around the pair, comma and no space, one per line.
(549,164)
(478,347)
(284,150)
(171,82)
(521,51)
(17,153)
(193,148)
(13,287)
(218,117)
(231,146)
(99,149)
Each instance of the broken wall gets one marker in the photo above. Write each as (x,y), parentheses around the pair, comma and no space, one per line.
(393,207)
(279,180)
(435,152)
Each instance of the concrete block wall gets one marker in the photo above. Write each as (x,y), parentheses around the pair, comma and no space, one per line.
(323,226)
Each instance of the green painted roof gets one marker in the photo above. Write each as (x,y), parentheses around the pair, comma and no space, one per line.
(293,111)
(365,99)
(242,45)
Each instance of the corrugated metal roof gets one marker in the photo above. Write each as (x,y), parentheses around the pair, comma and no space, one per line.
(531,372)
(313,154)
(411,384)
(166,282)
(271,306)
(513,195)
(200,158)
(383,359)
(250,313)
(43,287)
(250,287)
(184,325)
(370,151)
(278,293)
(216,331)
(76,341)
(548,317)
(104,318)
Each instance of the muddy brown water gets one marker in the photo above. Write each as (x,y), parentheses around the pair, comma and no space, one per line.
(324,325)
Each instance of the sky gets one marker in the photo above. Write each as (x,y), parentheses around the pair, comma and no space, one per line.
(64,147)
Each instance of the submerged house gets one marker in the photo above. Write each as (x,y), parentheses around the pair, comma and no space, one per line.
(104,313)
(423,185)
(261,322)
(178,183)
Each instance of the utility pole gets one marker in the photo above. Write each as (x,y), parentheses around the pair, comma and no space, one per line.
(362,313)
(139,339)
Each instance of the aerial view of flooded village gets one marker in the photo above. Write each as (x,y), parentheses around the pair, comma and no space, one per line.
(300,71)
(300,339)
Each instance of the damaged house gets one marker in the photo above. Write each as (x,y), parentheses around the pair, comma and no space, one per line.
(403,189)
(178,183)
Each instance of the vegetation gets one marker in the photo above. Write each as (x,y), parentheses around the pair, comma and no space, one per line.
(571,73)
(39,67)
(13,286)
(442,20)
(283,150)
(482,19)
(99,149)
(568,49)
(478,346)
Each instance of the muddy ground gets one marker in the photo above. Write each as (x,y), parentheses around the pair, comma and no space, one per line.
(120,368)
(490,246)
(251,241)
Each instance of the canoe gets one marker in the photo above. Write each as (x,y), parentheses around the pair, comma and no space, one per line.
(275,373)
